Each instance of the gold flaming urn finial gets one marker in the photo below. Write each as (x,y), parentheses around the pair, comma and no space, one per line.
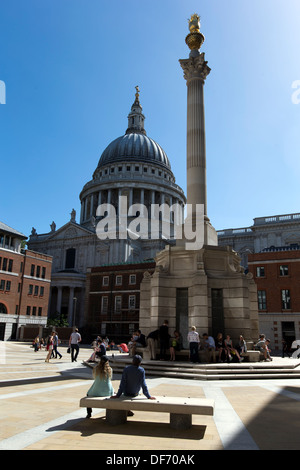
(195,39)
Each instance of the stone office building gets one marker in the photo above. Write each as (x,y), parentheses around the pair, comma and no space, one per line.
(265,232)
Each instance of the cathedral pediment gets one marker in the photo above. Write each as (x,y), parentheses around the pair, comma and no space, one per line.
(70,230)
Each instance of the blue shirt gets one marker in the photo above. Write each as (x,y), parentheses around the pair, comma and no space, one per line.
(133,379)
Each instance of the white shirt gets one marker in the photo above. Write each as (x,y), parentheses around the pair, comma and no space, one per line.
(193,337)
(75,338)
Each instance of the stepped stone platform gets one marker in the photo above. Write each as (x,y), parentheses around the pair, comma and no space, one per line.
(278,368)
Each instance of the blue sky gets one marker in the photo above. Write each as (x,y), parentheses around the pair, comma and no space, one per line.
(70,68)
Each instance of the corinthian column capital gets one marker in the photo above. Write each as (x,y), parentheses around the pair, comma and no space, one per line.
(195,67)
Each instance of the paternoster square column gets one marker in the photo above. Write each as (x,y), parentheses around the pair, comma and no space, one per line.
(196,70)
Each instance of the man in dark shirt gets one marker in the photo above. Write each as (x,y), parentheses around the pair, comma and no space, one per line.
(133,379)
(164,339)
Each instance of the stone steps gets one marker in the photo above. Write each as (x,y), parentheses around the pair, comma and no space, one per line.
(270,370)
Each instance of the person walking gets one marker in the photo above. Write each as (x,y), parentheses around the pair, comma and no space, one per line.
(102,386)
(74,341)
(36,344)
(55,351)
(193,339)
(49,347)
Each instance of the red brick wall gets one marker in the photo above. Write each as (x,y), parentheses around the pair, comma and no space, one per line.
(37,300)
(272,282)
(10,298)
(20,279)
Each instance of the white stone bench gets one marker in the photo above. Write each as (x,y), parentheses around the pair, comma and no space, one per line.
(253,356)
(181,409)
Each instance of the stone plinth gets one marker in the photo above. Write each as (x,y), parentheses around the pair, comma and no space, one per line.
(202,273)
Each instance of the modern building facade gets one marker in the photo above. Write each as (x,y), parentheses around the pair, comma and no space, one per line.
(25,277)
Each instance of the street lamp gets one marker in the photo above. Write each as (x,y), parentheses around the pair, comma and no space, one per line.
(74,313)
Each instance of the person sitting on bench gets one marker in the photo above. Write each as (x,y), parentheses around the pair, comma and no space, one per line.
(133,380)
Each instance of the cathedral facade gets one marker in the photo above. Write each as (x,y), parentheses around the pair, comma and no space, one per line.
(135,169)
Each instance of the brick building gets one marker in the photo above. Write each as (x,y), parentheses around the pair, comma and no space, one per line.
(276,271)
(113,299)
(25,277)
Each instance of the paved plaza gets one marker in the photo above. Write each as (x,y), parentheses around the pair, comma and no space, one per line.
(40,410)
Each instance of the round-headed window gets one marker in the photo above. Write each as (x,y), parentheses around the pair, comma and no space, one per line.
(3,309)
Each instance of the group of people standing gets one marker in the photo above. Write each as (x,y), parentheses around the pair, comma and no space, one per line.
(166,341)
(219,349)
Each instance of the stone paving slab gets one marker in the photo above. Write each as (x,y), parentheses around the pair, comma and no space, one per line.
(39,410)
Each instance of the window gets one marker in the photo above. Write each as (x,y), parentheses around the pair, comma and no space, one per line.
(10,265)
(32,270)
(118,304)
(262,300)
(8,286)
(4,264)
(70,258)
(28,310)
(43,272)
(131,302)
(40,311)
(132,279)
(42,291)
(105,281)
(285,299)
(260,271)
(36,290)
(38,271)
(21,267)
(30,289)
(104,305)
(118,280)
(2,284)
(34,311)
(283,270)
